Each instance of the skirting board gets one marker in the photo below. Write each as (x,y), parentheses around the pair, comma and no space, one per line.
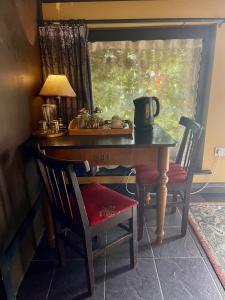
(211,188)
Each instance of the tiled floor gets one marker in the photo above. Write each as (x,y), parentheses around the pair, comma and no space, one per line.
(178,269)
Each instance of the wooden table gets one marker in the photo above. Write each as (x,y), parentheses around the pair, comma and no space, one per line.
(143,147)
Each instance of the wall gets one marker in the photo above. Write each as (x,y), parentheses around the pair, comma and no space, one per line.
(20,80)
(215,129)
(135,9)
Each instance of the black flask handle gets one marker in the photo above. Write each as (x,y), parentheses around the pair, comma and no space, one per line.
(157,106)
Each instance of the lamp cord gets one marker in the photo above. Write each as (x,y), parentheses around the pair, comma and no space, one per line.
(132,171)
(214,166)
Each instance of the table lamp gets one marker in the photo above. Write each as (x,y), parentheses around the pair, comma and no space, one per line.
(57,86)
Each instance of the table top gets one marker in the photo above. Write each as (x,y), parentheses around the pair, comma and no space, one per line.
(152,137)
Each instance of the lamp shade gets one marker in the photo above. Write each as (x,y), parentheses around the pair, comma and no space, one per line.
(57,85)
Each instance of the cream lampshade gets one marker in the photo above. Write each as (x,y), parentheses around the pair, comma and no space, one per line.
(57,86)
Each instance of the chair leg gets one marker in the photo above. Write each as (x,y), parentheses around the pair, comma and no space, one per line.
(140,199)
(133,239)
(185,214)
(89,265)
(101,240)
(173,209)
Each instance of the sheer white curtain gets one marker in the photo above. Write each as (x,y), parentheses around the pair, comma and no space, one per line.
(168,69)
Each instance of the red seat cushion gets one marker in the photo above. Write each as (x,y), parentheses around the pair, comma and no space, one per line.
(102,203)
(149,174)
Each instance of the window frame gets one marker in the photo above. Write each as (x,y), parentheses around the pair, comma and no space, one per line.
(205,32)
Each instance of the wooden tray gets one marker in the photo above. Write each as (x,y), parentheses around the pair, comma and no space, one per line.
(99,131)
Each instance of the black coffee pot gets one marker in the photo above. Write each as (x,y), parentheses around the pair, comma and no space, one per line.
(144,113)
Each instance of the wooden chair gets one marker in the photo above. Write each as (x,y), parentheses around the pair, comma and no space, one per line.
(88,211)
(180,174)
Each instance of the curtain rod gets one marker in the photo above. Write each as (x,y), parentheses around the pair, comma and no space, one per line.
(114,21)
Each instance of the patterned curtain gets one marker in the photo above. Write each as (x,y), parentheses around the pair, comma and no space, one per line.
(64,50)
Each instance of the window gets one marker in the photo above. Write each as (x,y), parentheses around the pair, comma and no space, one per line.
(173,64)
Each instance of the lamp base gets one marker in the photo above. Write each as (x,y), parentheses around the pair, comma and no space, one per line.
(59,106)
(49,112)
(41,134)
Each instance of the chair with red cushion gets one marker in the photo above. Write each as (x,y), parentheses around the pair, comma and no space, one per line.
(88,211)
(180,174)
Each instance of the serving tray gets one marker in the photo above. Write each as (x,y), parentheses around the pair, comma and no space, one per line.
(98,131)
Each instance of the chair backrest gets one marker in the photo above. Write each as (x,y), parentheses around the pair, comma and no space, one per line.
(63,190)
(190,143)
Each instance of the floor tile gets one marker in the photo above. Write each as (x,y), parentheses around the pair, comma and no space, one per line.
(214,277)
(139,283)
(186,278)
(197,197)
(44,252)
(70,253)
(170,220)
(173,244)
(182,266)
(144,246)
(70,281)
(37,281)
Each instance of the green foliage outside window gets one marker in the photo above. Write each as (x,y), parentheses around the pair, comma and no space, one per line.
(123,71)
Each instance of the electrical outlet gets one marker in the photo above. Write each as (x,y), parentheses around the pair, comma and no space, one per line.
(219,151)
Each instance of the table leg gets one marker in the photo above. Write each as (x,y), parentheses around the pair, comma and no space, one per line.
(163,165)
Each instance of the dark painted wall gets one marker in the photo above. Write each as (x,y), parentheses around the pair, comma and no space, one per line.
(20,81)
